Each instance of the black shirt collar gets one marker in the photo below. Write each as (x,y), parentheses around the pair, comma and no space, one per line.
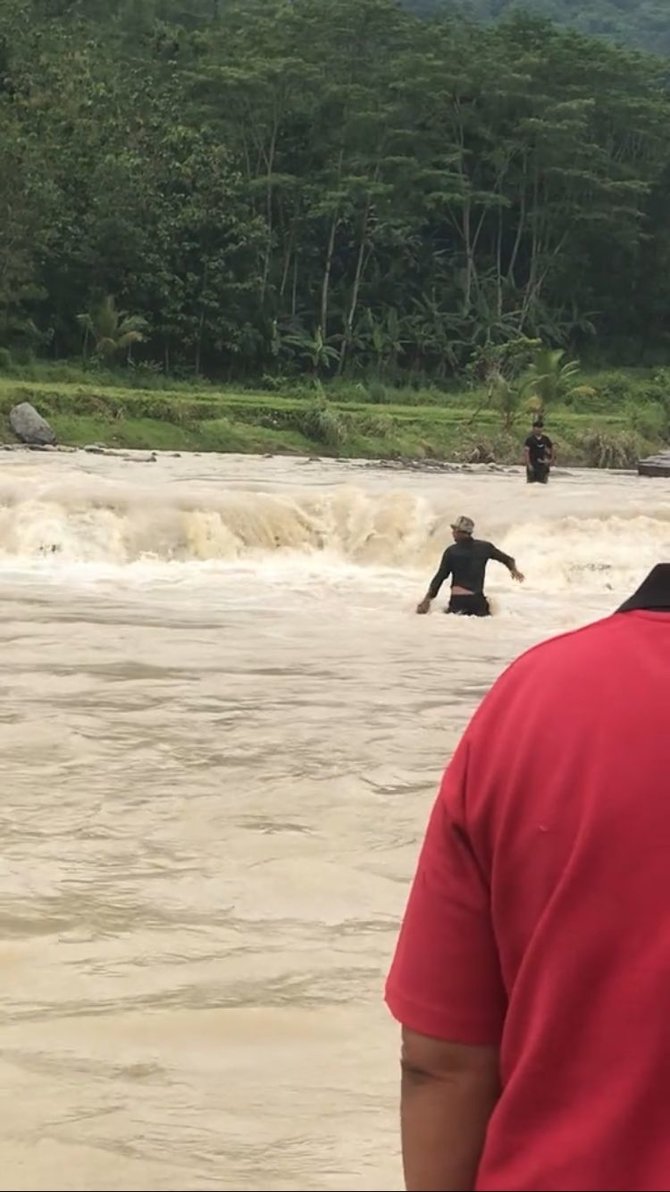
(653,593)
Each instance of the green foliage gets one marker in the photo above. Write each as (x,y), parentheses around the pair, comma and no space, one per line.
(651,420)
(200,418)
(506,397)
(268,204)
(619,449)
(321,423)
(550,379)
(497,367)
(379,393)
(641,23)
(112,331)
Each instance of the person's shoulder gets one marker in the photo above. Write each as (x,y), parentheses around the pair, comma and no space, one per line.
(565,673)
(566,652)
(546,439)
(529,440)
(572,643)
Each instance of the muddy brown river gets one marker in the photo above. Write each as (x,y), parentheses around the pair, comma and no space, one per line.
(222,727)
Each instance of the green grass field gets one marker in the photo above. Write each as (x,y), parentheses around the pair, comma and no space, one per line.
(624,419)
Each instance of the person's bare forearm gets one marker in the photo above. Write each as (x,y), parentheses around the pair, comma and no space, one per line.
(435,585)
(445,1114)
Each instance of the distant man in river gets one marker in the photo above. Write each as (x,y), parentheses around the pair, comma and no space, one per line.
(538,454)
(465,562)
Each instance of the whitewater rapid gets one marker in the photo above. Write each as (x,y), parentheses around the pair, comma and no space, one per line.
(222,726)
(595,532)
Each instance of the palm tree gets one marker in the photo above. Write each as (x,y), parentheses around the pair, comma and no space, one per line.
(549,379)
(113,331)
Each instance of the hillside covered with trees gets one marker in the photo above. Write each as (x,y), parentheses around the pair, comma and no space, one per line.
(644,24)
(256,189)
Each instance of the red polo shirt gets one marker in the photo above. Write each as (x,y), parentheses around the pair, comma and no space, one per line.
(539,917)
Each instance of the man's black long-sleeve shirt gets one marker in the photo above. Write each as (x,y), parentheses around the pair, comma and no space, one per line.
(466,563)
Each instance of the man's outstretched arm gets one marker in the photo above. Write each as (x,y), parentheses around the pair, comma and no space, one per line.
(443,572)
(448,1093)
(507,561)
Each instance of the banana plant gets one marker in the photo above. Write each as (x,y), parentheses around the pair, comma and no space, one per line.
(314,348)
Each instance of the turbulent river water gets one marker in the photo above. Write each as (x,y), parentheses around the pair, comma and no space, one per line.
(222,727)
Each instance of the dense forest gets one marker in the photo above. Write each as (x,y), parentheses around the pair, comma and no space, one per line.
(251,189)
(644,24)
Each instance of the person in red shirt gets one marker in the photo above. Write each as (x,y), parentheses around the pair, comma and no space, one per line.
(532,971)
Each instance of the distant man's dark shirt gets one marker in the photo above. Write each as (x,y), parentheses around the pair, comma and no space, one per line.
(538,448)
(466,563)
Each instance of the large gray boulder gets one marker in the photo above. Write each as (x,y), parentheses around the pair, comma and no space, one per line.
(30,427)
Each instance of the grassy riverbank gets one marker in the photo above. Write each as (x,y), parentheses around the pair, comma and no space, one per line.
(626,416)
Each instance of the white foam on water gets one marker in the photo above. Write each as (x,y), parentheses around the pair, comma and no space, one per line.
(590,534)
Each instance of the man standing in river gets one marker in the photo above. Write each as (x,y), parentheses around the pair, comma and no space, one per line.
(538,454)
(465,562)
